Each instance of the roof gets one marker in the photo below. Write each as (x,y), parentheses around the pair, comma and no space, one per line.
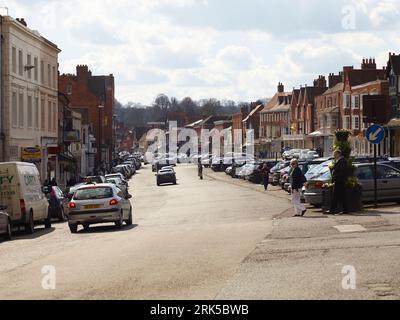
(337,88)
(194,123)
(394,64)
(357,77)
(313,92)
(280,100)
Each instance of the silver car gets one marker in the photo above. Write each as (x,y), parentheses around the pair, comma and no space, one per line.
(99,203)
(5,223)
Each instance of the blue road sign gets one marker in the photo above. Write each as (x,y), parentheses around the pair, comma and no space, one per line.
(375,134)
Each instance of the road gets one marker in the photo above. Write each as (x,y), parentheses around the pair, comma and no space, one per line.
(219,238)
(187,242)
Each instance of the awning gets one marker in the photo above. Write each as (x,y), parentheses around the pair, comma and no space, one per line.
(317,134)
(394,123)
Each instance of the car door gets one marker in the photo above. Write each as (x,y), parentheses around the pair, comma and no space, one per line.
(366,177)
(388,182)
(124,202)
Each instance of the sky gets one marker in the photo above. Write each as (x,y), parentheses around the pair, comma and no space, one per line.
(225,49)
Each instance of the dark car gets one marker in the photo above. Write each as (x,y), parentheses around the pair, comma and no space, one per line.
(166,175)
(5,224)
(58,203)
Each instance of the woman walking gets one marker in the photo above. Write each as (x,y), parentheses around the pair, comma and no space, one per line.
(265,171)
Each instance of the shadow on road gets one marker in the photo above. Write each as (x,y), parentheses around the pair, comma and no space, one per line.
(107,229)
(20,234)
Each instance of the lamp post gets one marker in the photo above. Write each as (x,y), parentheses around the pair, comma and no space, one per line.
(100,150)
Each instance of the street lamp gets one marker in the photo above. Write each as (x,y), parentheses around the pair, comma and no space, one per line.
(100,151)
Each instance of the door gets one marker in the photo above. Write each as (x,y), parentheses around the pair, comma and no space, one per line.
(366,177)
(388,182)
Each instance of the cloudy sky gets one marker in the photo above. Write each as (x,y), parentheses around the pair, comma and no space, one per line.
(226,49)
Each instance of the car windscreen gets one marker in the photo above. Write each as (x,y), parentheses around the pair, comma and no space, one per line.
(93,193)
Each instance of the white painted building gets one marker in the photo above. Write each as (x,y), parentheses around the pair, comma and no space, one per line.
(29,105)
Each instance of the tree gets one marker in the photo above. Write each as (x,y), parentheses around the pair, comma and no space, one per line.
(162,104)
(189,106)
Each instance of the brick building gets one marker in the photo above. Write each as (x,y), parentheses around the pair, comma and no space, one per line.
(393,75)
(96,94)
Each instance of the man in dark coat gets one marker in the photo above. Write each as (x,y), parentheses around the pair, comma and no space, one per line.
(297,179)
(339,178)
(265,171)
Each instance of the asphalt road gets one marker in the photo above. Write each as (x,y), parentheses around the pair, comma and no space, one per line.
(219,238)
(188,241)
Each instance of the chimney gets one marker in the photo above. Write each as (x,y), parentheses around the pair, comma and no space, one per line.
(82,72)
(320,82)
(333,79)
(281,88)
(22,21)
(368,64)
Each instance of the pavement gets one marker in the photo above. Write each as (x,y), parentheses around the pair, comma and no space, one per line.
(219,238)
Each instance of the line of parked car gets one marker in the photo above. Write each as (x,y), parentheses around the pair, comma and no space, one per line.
(24,202)
(318,174)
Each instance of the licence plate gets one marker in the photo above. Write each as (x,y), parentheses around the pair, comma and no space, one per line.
(92,206)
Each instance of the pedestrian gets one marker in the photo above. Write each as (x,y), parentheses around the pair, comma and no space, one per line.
(298,180)
(265,171)
(200,170)
(339,178)
(53,182)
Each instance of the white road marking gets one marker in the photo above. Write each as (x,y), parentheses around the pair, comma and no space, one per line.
(350,228)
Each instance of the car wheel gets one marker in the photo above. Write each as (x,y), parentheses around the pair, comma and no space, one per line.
(61,216)
(73,228)
(120,222)
(8,234)
(30,225)
(129,222)
(47,222)
(86,226)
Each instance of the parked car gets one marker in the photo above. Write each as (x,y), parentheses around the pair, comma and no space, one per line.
(117,175)
(71,190)
(119,183)
(388,184)
(58,202)
(5,223)
(166,175)
(21,191)
(123,170)
(99,203)
(275,174)
(96,179)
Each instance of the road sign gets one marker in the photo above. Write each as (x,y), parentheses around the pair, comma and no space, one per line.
(375,134)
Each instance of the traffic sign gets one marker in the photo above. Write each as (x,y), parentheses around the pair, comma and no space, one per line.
(375,134)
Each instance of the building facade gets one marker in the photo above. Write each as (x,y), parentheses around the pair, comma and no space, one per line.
(29,113)
(393,75)
(96,94)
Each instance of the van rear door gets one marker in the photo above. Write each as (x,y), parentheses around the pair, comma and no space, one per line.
(9,192)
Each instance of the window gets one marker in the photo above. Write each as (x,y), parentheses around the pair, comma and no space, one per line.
(387,173)
(29,63)
(49,116)
(14,60)
(36,113)
(357,102)
(42,71)
(14,110)
(55,115)
(20,63)
(356,122)
(347,101)
(35,71)
(43,114)
(21,113)
(347,122)
(334,122)
(49,75)
(364,173)
(30,112)
(54,78)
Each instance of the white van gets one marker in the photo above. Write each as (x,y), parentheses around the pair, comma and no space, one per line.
(21,191)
